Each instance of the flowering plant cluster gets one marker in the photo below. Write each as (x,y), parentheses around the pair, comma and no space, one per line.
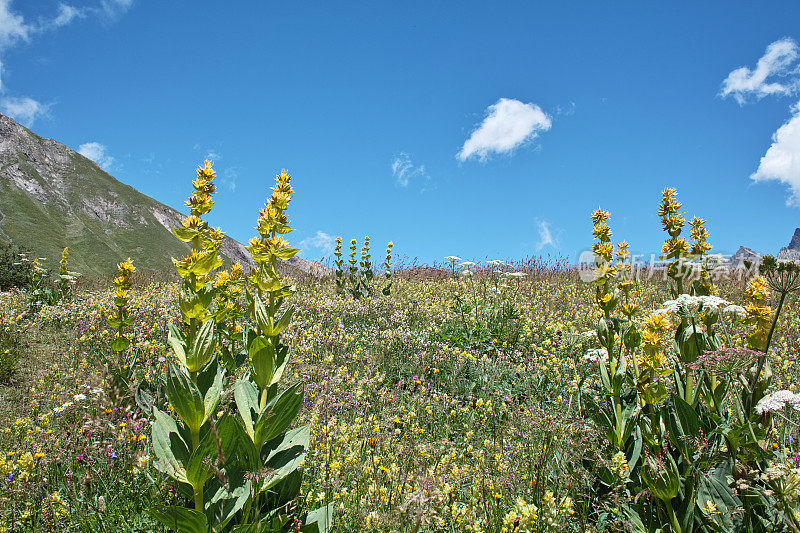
(676,405)
(357,279)
(237,462)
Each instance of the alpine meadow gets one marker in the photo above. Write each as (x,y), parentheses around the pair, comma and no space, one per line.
(454,311)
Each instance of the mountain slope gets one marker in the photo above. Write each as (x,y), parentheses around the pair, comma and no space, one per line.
(51,197)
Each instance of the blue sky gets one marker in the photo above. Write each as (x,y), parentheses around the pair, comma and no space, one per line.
(479,129)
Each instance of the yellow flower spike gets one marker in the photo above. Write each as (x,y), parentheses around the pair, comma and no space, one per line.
(600,216)
(602,232)
(207,171)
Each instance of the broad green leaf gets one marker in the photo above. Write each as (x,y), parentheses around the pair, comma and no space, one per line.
(120,344)
(169,447)
(207,264)
(180,519)
(318,520)
(246,396)
(260,315)
(210,383)
(229,498)
(661,476)
(278,414)
(185,234)
(605,380)
(281,362)
(177,341)
(195,304)
(683,424)
(286,253)
(182,272)
(281,228)
(203,346)
(185,397)
(284,321)
(262,354)
(285,454)
(714,488)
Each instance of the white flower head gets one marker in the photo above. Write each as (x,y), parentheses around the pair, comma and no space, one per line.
(778,400)
(596,354)
(466,273)
(452,259)
(692,304)
(467,264)
(495,263)
(735,311)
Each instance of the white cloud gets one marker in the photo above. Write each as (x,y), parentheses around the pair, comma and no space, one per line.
(13,28)
(404,171)
(508,124)
(115,8)
(97,153)
(24,110)
(781,162)
(66,14)
(229,177)
(545,235)
(321,242)
(760,81)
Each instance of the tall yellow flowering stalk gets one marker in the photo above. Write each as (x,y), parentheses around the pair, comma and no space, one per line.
(387,270)
(339,262)
(685,260)
(267,355)
(183,447)
(229,288)
(759,313)
(618,335)
(699,252)
(605,273)
(66,278)
(122,283)
(271,452)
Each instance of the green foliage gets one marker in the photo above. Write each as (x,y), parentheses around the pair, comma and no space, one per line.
(11,343)
(484,307)
(13,272)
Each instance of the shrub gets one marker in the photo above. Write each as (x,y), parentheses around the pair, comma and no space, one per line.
(13,272)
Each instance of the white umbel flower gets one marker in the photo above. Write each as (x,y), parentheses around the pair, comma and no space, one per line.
(778,400)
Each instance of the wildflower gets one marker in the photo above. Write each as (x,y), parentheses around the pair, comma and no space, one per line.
(778,400)
(710,508)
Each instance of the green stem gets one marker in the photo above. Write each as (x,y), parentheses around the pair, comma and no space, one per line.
(263,400)
(774,322)
(763,358)
(198,491)
(676,526)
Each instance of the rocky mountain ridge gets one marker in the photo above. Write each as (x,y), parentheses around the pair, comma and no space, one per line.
(52,196)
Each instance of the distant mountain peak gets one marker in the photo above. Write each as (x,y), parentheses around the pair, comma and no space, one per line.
(794,244)
(791,252)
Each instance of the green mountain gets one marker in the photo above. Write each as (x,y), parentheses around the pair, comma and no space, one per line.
(52,196)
